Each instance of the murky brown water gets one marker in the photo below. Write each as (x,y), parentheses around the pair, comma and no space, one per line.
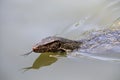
(25,23)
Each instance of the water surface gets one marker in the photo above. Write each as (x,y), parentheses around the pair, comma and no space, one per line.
(25,23)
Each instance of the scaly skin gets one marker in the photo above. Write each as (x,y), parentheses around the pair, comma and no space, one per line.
(57,44)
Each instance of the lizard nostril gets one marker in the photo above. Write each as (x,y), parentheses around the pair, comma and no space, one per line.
(35,48)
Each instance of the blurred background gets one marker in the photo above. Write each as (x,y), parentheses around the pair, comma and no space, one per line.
(23,23)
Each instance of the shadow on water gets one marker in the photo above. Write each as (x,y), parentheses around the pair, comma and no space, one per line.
(45,59)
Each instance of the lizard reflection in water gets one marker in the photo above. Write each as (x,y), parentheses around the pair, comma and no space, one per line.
(51,47)
(44,60)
